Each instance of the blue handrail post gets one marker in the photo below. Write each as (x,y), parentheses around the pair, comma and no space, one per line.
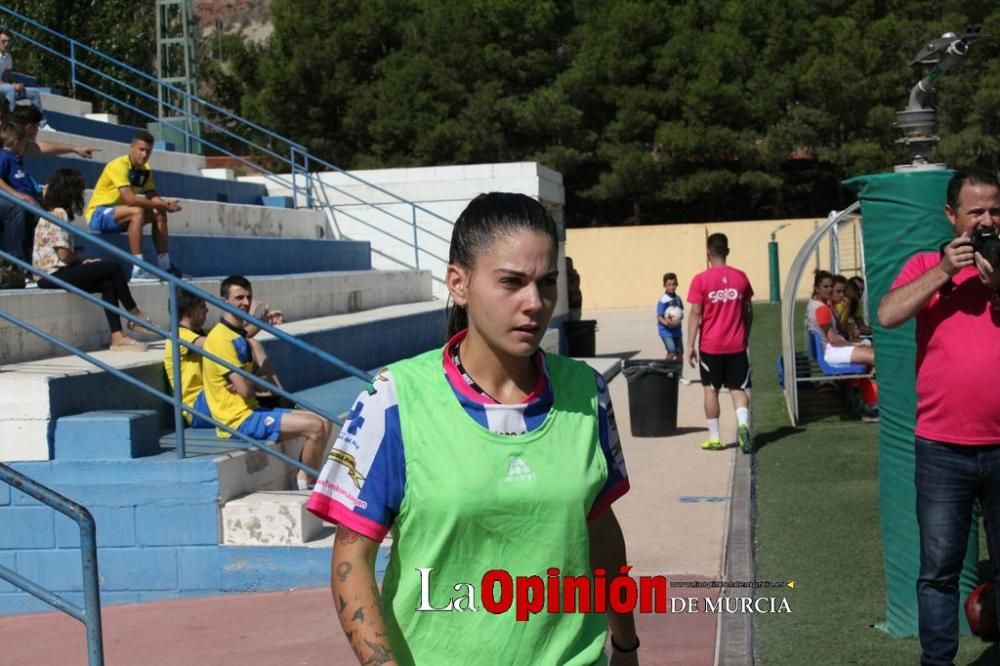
(72,66)
(416,249)
(176,354)
(309,184)
(91,589)
(187,123)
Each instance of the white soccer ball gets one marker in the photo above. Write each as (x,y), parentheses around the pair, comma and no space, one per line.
(674,314)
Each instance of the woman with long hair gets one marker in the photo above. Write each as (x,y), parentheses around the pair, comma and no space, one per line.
(54,254)
(487,458)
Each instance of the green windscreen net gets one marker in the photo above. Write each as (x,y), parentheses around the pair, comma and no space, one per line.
(902,214)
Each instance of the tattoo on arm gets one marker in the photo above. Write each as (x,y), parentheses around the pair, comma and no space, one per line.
(381,654)
(341,604)
(343,569)
(359,615)
(347,536)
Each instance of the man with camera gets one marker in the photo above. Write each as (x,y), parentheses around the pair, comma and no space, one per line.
(955,296)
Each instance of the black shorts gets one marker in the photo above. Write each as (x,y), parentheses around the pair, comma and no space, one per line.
(729,370)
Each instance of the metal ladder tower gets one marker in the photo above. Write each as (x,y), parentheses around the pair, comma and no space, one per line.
(176,64)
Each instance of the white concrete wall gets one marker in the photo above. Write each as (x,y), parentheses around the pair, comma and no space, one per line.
(445,191)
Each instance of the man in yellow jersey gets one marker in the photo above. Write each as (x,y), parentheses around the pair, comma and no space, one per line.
(232,398)
(116,205)
(191,311)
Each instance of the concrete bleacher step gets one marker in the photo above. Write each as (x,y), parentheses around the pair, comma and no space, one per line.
(271,518)
(162,160)
(300,296)
(40,392)
(214,218)
(65,105)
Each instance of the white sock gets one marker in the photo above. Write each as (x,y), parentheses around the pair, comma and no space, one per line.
(134,267)
(743,416)
(163,260)
(302,482)
(713,428)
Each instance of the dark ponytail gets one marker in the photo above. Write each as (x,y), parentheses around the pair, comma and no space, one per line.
(486,218)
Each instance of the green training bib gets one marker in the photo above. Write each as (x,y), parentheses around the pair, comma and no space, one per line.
(476,501)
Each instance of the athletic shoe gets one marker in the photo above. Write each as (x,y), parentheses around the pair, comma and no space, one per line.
(685,381)
(746,442)
(173,270)
(45,127)
(712,444)
(139,274)
(870,416)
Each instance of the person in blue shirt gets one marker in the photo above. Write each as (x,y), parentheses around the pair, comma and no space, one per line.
(670,328)
(18,223)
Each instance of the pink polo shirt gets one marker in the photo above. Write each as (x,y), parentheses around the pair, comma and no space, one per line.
(958,354)
(722,291)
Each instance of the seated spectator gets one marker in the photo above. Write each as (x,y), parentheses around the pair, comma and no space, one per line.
(54,254)
(116,207)
(841,307)
(232,398)
(31,119)
(18,223)
(857,285)
(836,349)
(15,91)
(191,312)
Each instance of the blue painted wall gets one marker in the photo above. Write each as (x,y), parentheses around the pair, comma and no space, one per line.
(367,346)
(203,256)
(168,184)
(92,128)
(157,535)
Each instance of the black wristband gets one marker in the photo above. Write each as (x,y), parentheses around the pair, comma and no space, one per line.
(619,648)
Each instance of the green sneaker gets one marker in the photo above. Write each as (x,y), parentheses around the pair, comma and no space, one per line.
(712,444)
(746,441)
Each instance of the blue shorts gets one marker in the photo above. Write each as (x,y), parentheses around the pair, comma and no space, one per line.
(201,405)
(103,220)
(263,424)
(673,345)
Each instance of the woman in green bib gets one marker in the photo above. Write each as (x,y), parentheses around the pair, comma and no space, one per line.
(493,465)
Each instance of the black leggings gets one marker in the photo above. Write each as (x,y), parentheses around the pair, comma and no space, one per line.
(101,276)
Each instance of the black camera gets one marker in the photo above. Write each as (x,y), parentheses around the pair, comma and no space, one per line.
(986,242)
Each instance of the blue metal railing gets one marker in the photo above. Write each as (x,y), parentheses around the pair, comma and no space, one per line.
(174,283)
(90,614)
(307,188)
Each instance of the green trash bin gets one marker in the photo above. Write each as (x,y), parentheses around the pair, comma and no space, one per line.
(653,388)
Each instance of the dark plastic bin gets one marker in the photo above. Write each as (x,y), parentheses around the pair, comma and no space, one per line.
(652,396)
(581,338)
